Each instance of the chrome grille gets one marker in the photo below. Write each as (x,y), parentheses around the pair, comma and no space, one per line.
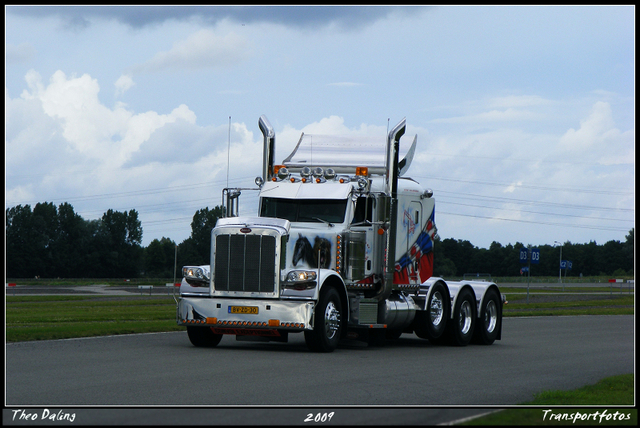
(245,263)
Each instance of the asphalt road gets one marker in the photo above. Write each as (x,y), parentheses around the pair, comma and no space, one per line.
(282,383)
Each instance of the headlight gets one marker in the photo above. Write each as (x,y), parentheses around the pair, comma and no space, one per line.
(300,280)
(196,276)
(301,276)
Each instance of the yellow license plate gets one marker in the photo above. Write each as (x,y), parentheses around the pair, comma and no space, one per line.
(243,309)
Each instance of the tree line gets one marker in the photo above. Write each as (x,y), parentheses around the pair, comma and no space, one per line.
(52,241)
(455,258)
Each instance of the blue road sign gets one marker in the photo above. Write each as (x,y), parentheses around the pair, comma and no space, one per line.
(566,264)
(524,255)
(535,255)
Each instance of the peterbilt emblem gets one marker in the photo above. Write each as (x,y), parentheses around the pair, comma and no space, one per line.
(245,230)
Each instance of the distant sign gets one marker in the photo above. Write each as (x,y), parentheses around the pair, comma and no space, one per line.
(566,264)
(524,255)
(535,255)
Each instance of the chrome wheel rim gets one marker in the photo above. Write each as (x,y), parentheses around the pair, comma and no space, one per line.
(435,309)
(465,317)
(331,320)
(490,316)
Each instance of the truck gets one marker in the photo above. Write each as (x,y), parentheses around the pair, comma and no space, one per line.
(341,249)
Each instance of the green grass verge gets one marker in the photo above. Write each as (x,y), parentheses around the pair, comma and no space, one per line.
(60,317)
(603,304)
(611,391)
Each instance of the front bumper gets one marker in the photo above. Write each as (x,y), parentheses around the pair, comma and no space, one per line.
(260,314)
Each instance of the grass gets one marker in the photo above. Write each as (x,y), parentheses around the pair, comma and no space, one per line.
(576,304)
(612,391)
(63,317)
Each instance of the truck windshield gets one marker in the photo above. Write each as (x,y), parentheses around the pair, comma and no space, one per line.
(305,210)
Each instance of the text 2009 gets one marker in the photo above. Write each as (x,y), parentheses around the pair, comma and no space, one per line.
(319,417)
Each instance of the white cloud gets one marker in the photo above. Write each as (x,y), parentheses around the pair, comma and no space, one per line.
(512,187)
(91,128)
(507,115)
(123,84)
(202,49)
(598,139)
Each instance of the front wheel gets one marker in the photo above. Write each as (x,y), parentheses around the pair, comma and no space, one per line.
(490,320)
(327,323)
(203,337)
(460,330)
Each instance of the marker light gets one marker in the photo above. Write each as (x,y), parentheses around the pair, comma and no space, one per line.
(362,170)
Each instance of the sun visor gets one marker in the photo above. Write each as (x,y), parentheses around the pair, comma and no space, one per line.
(327,190)
(331,151)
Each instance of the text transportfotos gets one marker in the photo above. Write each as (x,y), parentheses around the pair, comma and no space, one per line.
(577,416)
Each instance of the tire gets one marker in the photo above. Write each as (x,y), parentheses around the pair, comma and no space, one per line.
(327,323)
(431,324)
(490,320)
(203,337)
(461,327)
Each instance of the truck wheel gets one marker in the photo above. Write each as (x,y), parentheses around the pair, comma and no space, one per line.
(430,324)
(327,323)
(203,337)
(464,319)
(490,320)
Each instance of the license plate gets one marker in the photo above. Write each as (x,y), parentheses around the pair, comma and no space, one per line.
(243,309)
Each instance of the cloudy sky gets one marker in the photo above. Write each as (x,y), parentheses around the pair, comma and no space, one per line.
(524,115)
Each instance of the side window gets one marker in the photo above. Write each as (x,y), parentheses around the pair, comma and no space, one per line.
(364,209)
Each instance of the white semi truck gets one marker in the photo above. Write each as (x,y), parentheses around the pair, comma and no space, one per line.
(341,248)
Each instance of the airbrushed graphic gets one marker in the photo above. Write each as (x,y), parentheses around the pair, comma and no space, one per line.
(318,255)
(417,263)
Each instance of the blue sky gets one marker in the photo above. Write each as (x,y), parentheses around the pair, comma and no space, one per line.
(525,115)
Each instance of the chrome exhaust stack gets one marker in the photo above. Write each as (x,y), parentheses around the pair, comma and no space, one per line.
(268,153)
(393,145)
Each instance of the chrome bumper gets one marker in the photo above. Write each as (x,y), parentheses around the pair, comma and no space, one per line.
(271,314)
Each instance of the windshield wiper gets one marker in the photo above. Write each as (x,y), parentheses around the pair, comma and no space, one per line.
(324,221)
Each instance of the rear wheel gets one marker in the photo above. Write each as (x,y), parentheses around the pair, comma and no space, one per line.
(327,323)
(431,324)
(203,337)
(490,320)
(460,330)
